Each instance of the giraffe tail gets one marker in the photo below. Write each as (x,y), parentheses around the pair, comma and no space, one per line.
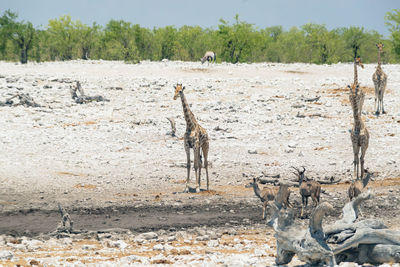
(201,159)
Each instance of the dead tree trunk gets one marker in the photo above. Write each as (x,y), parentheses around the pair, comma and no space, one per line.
(66,222)
(173,126)
(367,241)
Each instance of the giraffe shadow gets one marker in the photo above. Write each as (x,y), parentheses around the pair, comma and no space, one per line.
(191,190)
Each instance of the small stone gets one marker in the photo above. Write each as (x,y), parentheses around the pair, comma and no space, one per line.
(120,244)
(148,236)
(6,255)
(213,243)
(171,238)
(158,247)
(203,238)
(88,247)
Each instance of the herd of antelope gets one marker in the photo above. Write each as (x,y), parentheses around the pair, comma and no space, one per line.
(196,138)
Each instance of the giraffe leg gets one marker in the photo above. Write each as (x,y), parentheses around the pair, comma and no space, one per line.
(381,97)
(205,154)
(187,150)
(304,204)
(363,151)
(356,151)
(196,165)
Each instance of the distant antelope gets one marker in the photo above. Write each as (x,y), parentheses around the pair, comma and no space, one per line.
(307,189)
(358,185)
(267,194)
(209,56)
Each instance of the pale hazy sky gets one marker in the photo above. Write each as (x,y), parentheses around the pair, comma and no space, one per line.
(206,13)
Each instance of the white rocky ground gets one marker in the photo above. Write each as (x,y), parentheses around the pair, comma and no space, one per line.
(99,154)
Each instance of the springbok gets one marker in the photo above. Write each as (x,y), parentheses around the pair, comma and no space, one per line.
(357,186)
(268,194)
(307,189)
(209,56)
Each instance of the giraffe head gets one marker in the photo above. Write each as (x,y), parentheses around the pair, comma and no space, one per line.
(380,46)
(178,88)
(354,88)
(358,62)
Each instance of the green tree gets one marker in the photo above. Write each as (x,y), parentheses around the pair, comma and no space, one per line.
(119,42)
(62,37)
(236,40)
(166,38)
(86,37)
(23,37)
(7,23)
(144,40)
(354,39)
(392,20)
(20,33)
(291,46)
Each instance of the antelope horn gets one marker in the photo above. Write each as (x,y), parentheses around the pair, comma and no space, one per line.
(295,168)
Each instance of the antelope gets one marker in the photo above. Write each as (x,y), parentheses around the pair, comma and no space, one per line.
(209,56)
(307,189)
(357,186)
(267,194)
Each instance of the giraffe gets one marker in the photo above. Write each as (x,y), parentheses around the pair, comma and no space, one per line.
(357,62)
(195,137)
(380,79)
(359,133)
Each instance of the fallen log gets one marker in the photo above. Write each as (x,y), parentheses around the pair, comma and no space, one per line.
(315,99)
(82,99)
(24,99)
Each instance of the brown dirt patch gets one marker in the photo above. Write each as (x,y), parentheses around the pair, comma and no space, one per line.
(74,124)
(85,186)
(70,174)
(194,70)
(322,148)
(295,72)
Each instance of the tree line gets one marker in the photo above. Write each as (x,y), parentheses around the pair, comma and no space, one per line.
(65,39)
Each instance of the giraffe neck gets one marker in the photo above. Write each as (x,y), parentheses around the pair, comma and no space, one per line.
(357,116)
(189,118)
(355,73)
(379,59)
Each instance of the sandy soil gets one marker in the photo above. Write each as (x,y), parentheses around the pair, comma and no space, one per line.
(113,164)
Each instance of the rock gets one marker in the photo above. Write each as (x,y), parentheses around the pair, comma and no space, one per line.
(203,238)
(88,247)
(6,255)
(213,243)
(158,247)
(171,238)
(120,244)
(148,236)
